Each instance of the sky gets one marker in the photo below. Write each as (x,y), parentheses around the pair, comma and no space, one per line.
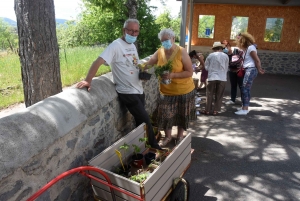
(69,9)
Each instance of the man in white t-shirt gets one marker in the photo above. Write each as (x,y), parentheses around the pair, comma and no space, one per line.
(123,58)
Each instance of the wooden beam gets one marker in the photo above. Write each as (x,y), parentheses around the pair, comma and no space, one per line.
(285,1)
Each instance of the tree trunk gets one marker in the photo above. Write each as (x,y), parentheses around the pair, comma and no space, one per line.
(132,6)
(38,49)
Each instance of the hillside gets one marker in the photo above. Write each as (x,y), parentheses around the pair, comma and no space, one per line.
(14,23)
(9,21)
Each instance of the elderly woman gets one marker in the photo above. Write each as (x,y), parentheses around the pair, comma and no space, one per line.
(176,106)
(217,66)
(252,66)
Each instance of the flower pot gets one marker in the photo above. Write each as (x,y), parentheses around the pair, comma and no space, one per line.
(144,75)
(137,160)
(165,81)
(149,157)
(126,172)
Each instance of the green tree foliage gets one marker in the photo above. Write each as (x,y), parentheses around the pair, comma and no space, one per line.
(104,24)
(148,41)
(164,20)
(273,29)
(175,25)
(8,37)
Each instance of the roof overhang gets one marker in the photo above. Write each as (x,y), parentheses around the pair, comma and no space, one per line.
(250,2)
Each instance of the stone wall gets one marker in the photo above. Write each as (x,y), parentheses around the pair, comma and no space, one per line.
(280,62)
(60,133)
(273,62)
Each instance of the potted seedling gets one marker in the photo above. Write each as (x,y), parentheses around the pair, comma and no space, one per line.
(164,69)
(162,154)
(143,74)
(126,168)
(153,165)
(149,156)
(140,177)
(137,157)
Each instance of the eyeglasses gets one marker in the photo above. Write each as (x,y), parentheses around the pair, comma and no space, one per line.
(133,31)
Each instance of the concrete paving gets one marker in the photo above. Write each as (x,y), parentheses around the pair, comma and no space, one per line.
(254,157)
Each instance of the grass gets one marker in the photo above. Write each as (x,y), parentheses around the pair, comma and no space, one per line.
(74,65)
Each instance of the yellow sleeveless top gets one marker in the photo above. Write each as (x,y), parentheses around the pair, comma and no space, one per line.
(178,86)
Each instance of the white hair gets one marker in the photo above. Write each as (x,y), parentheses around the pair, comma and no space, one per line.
(169,32)
(130,21)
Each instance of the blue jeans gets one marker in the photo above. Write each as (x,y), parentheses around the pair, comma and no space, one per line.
(250,75)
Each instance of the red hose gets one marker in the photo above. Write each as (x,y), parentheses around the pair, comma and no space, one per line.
(81,171)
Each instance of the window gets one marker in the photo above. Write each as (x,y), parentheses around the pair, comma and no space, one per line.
(206,26)
(273,29)
(239,25)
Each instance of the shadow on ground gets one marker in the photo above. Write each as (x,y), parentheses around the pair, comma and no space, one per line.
(252,157)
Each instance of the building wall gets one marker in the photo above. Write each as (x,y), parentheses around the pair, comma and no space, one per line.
(256,24)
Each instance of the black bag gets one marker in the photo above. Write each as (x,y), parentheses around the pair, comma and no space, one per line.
(143,75)
(236,60)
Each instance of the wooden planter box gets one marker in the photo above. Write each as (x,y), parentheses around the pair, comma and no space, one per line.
(156,186)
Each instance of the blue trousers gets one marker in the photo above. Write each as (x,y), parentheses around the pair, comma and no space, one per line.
(250,75)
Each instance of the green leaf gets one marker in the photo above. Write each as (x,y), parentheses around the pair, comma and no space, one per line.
(160,69)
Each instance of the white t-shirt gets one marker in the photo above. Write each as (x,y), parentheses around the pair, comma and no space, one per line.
(123,59)
(217,66)
(248,61)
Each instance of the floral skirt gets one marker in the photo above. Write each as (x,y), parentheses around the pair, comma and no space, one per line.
(176,110)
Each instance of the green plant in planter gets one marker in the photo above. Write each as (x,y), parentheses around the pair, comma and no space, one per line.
(160,69)
(152,166)
(140,177)
(136,149)
(162,154)
(125,148)
(137,158)
(145,139)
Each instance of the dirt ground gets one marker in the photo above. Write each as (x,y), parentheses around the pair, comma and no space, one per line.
(20,106)
(12,109)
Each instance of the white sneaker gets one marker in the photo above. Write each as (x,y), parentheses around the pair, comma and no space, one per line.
(242,112)
(230,102)
(197,100)
(240,108)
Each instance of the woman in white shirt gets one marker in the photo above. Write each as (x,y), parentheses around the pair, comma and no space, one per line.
(252,66)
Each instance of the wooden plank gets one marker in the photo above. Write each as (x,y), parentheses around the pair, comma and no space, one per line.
(173,156)
(118,181)
(108,158)
(165,182)
(156,185)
